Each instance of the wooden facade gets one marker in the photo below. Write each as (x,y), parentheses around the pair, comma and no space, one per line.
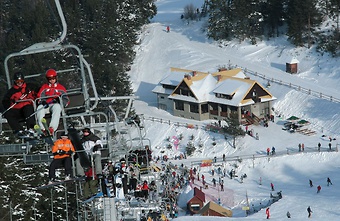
(196,203)
(213,209)
(204,96)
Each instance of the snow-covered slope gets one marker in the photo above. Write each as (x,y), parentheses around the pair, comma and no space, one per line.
(187,47)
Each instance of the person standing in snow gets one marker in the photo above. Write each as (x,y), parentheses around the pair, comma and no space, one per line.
(318,189)
(268,151)
(329,181)
(309,210)
(268,213)
(319,146)
(222,185)
(168,29)
(273,150)
(214,182)
(288,214)
(272,186)
(310,183)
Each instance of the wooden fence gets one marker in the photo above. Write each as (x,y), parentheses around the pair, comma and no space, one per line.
(294,86)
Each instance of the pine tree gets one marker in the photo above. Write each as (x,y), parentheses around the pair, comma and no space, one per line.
(303,17)
(220,20)
(233,128)
(274,15)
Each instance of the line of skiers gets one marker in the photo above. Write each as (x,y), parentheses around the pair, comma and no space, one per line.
(309,211)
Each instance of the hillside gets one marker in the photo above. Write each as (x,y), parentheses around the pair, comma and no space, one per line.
(187,47)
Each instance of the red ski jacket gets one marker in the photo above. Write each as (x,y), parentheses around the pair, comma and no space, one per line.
(51,93)
(16,93)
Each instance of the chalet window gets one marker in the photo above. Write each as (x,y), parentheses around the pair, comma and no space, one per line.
(162,97)
(179,105)
(225,96)
(184,91)
(168,86)
(162,107)
(193,108)
(204,108)
(195,207)
(214,106)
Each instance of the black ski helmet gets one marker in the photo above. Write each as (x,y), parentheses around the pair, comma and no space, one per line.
(18,76)
(86,129)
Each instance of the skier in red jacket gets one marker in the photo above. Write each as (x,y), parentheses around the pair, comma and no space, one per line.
(18,102)
(51,95)
(268,213)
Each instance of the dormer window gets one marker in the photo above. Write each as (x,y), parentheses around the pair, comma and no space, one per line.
(225,96)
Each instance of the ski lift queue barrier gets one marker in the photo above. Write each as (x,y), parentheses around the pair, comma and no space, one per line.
(288,151)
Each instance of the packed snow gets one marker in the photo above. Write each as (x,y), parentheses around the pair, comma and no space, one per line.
(187,47)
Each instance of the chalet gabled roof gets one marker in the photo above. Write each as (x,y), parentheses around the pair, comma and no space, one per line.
(199,194)
(204,88)
(237,73)
(174,77)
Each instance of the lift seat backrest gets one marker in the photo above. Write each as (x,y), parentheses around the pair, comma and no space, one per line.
(77,103)
(13,149)
(38,158)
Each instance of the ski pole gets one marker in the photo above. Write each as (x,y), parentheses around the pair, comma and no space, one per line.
(15,103)
(35,112)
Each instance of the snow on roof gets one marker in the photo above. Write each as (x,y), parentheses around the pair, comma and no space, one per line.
(161,90)
(205,86)
(293,61)
(172,78)
(237,72)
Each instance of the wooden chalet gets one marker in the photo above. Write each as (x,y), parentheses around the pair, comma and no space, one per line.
(196,203)
(213,209)
(201,96)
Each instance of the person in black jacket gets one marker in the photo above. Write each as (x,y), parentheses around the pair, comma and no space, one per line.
(92,145)
(309,210)
(18,104)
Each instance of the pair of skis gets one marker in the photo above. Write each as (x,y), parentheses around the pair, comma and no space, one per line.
(58,183)
(47,137)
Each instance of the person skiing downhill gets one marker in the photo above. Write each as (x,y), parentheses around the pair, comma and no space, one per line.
(309,210)
(329,181)
(268,213)
(318,189)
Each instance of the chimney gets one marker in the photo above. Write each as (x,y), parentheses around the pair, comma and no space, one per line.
(194,73)
(219,77)
(187,76)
